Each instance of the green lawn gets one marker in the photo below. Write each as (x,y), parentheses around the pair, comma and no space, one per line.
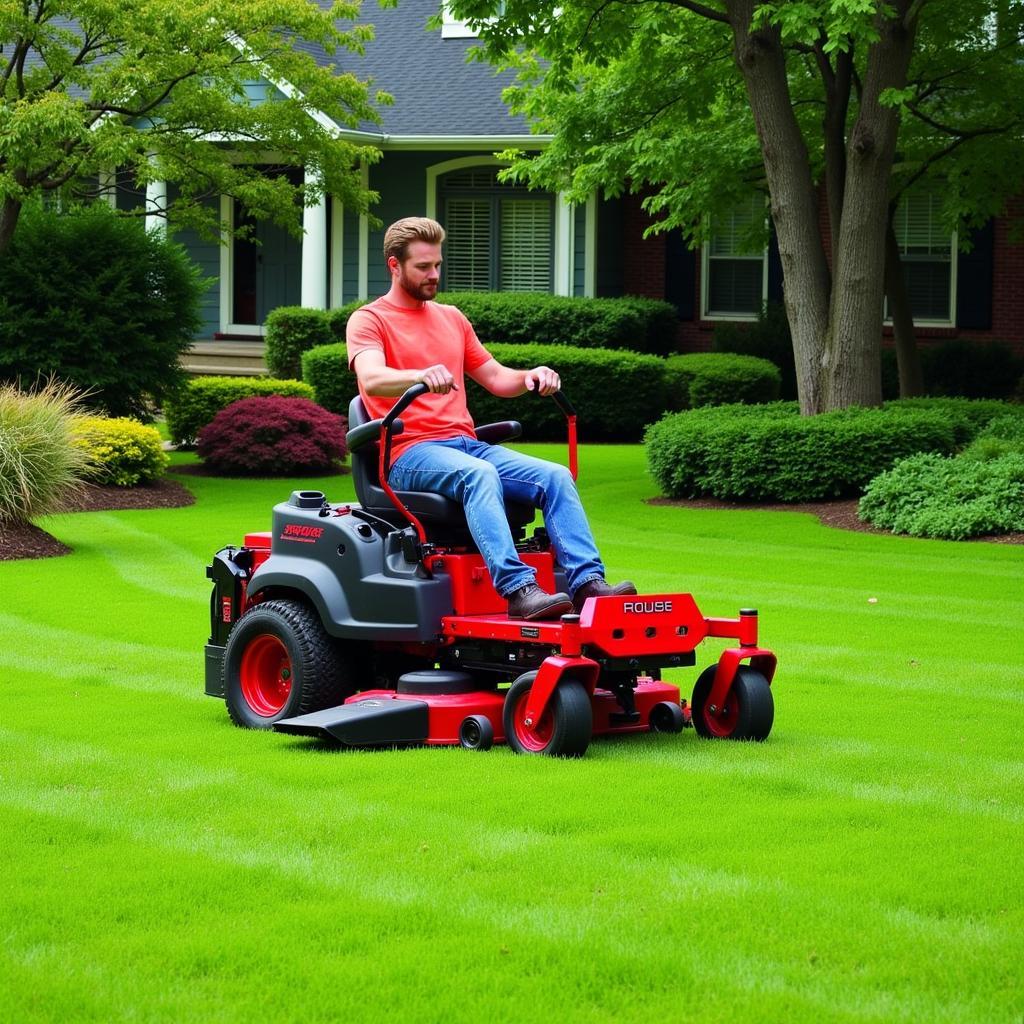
(864,864)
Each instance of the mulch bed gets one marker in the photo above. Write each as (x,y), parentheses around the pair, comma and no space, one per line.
(28,541)
(840,514)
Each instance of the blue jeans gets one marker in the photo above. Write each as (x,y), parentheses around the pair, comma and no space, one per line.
(480,476)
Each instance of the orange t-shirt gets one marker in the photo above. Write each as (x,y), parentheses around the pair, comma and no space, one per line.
(412,339)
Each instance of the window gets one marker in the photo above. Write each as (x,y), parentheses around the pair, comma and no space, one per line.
(499,237)
(456,28)
(928,255)
(735,276)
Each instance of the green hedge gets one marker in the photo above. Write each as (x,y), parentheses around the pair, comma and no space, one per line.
(201,398)
(758,453)
(325,370)
(290,331)
(720,378)
(615,392)
(767,338)
(642,325)
(928,495)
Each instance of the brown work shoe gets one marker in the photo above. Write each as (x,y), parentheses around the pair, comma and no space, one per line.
(599,588)
(530,602)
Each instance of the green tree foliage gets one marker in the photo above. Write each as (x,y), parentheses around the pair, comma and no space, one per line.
(87,86)
(696,103)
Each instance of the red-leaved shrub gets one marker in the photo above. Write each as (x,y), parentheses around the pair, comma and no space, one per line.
(273,436)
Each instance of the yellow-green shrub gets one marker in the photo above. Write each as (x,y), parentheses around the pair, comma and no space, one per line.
(122,451)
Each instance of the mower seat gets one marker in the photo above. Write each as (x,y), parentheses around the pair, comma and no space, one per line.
(443,519)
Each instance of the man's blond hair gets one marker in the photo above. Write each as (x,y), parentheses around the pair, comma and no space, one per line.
(402,233)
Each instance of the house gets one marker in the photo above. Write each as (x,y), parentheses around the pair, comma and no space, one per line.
(438,142)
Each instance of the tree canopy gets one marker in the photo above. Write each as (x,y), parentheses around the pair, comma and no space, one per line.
(698,103)
(175,90)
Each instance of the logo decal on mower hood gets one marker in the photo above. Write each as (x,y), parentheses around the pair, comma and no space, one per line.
(647,607)
(303,534)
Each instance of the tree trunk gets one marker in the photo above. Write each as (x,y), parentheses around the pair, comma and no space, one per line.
(852,364)
(761,61)
(908,359)
(9,214)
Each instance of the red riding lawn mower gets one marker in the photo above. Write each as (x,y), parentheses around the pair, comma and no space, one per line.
(376,624)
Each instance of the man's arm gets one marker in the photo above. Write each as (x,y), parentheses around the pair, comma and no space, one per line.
(505,382)
(383,381)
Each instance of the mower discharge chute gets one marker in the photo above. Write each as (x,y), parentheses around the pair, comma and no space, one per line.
(376,624)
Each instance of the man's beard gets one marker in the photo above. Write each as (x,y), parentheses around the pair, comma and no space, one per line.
(422,293)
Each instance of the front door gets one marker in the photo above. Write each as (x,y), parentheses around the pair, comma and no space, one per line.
(267,269)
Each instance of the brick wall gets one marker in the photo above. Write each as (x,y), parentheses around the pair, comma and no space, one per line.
(645,275)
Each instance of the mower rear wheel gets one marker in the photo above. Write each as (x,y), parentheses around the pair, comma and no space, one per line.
(565,728)
(747,713)
(279,662)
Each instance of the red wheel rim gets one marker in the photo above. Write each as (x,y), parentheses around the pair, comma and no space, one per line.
(266,675)
(536,737)
(723,722)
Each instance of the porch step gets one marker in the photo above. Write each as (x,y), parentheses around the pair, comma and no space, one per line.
(225,359)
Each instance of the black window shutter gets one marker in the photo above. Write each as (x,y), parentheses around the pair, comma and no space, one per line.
(774,269)
(974,281)
(680,269)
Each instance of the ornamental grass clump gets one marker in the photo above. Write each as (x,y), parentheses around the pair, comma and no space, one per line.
(121,452)
(273,436)
(39,465)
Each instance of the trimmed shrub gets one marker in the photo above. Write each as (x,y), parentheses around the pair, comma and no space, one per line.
(615,393)
(201,398)
(768,338)
(927,495)
(721,378)
(39,465)
(639,324)
(290,331)
(970,369)
(1002,436)
(758,453)
(121,452)
(325,369)
(273,436)
(337,319)
(91,298)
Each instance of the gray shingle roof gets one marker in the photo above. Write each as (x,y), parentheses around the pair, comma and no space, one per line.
(436,92)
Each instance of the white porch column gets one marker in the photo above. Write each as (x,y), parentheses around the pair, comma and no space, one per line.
(156,205)
(563,245)
(314,252)
(337,253)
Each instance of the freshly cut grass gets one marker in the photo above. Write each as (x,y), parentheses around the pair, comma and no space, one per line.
(862,865)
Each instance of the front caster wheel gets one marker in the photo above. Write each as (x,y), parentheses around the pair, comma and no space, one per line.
(476,732)
(747,713)
(279,662)
(666,716)
(563,730)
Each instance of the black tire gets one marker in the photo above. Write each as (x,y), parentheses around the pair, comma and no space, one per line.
(476,733)
(565,727)
(280,662)
(666,716)
(748,712)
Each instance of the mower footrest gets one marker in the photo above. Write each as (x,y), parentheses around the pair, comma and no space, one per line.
(364,723)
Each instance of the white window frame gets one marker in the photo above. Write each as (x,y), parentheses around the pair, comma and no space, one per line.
(954,253)
(705,284)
